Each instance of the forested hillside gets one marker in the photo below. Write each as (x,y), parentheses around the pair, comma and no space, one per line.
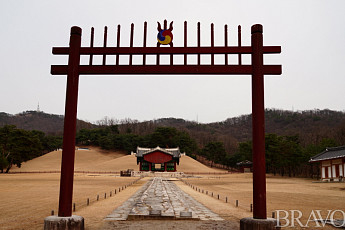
(311,126)
(291,137)
(35,120)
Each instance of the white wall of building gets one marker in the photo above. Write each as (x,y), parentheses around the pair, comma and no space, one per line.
(333,171)
(323,172)
(341,170)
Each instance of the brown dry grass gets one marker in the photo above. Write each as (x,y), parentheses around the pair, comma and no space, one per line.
(26,199)
(282,194)
(98,160)
(188,164)
(94,159)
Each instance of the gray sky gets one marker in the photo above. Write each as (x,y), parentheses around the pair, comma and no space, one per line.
(311,33)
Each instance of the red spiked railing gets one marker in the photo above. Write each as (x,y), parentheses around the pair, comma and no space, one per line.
(186,68)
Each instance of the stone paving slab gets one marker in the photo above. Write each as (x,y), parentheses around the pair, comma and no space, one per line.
(161,199)
(171,225)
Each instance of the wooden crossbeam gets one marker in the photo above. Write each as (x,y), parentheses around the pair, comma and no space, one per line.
(167,69)
(166,50)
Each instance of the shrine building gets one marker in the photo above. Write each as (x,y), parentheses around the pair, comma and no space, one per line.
(332,162)
(158,159)
(245,166)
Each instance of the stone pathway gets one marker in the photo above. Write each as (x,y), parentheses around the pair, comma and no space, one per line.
(161,199)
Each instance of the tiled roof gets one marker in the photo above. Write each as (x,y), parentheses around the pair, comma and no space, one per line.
(329,153)
(244,163)
(175,152)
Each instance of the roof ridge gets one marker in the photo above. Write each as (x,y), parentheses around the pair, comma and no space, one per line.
(329,153)
(335,148)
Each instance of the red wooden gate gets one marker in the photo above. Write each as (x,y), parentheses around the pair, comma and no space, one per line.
(257,69)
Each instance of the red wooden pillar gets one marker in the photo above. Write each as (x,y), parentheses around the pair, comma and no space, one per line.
(174,166)
(258,120)
(68,152)
(140,166)
(165,167)
(150,166)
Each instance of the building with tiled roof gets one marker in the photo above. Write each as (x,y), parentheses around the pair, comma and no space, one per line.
(245,166)
(332,162)
(158,159)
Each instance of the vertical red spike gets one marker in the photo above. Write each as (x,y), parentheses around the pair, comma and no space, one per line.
(212,42)
(144,45)
(131,43)
(118,43)
(165,24)
(171,45)
(239,45)
(105,44)
(198,42)
(91,44)
(158,57)
(171,55)
(158,44)
(226,42)
(185,42)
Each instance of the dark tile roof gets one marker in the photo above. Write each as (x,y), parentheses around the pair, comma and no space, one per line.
(175,152)
(245,163)
(329,153)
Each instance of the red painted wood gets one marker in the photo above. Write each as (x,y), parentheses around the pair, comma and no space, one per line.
(212,42)
(199,43)
(166,50)
(185,42)
(226,42)
(144,42)
(167,69)
(104,61)
(157,157)
(91,44)
(118,43)
(131,43)
(68,152)
(239,41)
(258,117)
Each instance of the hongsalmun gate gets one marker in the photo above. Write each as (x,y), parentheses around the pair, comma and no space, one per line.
(160,159)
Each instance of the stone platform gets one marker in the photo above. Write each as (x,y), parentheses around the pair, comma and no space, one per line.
(161,199)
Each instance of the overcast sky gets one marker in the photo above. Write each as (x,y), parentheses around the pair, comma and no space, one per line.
(311,33)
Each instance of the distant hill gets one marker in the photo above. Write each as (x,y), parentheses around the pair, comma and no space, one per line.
(35,120)
(282,122)
(310,125)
